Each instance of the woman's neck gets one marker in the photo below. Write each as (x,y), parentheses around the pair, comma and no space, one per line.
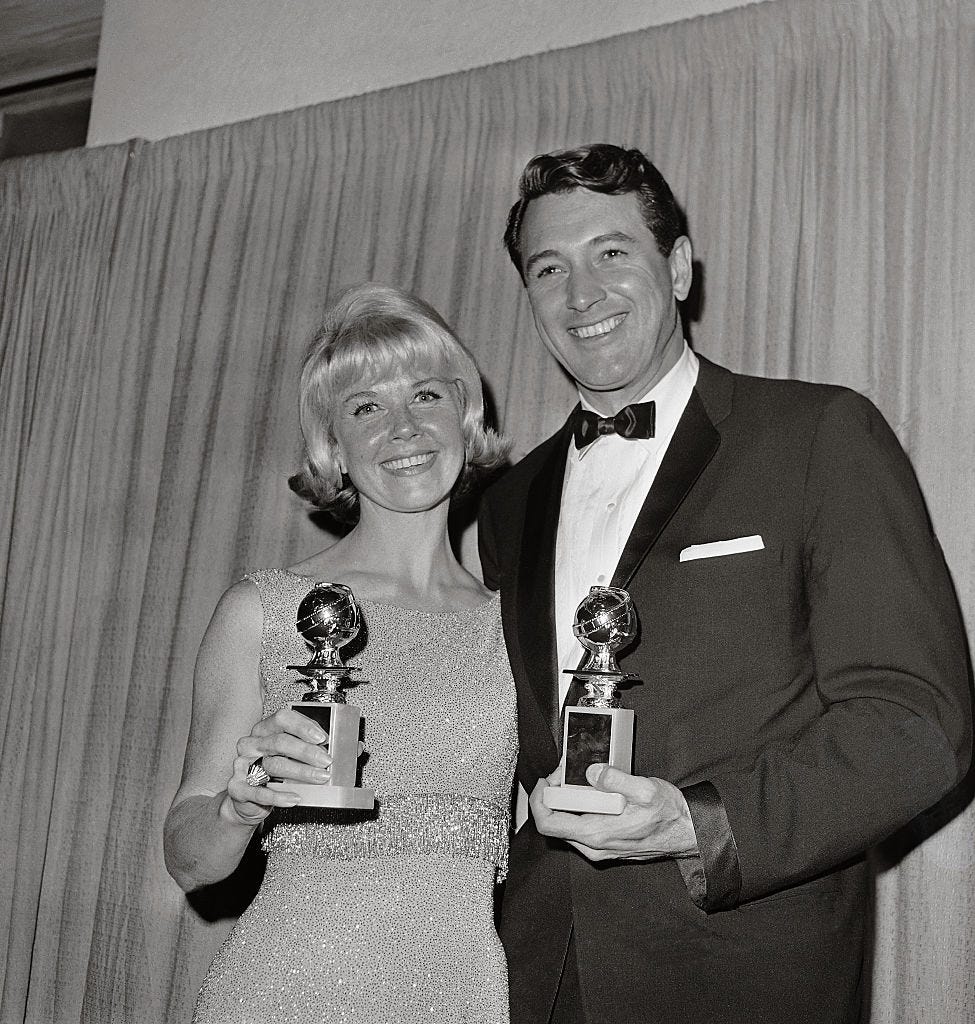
(406,545)
(401,558)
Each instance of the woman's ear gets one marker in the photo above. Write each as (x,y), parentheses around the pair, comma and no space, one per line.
(337,457)
(460,390)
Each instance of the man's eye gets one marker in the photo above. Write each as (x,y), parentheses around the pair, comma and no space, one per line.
(548,271)
(612,253)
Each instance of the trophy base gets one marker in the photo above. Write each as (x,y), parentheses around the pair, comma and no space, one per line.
(592,736)
(341,722)
(582,800)
(323,795)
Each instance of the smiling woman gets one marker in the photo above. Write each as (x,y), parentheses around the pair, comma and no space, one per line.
(375,333)
(399,439)
(396,902)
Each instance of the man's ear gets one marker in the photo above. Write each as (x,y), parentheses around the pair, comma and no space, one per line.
(681,267)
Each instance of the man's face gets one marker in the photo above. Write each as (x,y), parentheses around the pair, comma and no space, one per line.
(603,297)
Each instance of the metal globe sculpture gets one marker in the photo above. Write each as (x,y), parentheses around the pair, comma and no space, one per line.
(605,621)
(328,618)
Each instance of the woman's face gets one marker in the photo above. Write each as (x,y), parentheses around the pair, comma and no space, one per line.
(400,438)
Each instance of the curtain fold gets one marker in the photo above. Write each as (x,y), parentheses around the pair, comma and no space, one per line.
(156,303)
(59,217)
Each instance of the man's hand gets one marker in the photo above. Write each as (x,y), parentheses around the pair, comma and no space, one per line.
(655,823)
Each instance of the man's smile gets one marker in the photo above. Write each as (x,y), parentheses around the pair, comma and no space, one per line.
(602,327)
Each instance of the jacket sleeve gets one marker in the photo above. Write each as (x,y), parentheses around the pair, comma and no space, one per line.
(889,664)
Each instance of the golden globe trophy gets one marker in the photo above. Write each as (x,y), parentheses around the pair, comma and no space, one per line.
(599,730)
(328,618)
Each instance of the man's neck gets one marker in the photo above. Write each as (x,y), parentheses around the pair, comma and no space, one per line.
(609,403)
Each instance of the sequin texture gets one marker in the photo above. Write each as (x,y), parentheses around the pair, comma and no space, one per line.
(385,915)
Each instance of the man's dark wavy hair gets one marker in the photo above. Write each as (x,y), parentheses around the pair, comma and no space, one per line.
(604,168)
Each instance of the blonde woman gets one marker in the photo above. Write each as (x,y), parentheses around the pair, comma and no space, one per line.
(383,915)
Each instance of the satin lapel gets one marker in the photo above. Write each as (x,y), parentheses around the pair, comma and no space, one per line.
(694,443)
(536,582)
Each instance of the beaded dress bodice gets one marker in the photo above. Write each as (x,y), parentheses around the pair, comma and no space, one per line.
(439,733)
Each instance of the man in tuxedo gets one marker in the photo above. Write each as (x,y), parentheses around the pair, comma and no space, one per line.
(804,677)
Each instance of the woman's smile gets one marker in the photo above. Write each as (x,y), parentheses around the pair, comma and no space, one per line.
(409,465)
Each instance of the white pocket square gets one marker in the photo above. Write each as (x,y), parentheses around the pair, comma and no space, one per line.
(722,547)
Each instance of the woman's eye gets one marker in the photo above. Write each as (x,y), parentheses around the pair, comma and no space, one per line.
(428,395)
(363,408)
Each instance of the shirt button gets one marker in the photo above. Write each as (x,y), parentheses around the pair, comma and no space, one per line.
(611,505)
(601,578)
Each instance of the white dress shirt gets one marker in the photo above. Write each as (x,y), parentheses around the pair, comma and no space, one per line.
(605,486)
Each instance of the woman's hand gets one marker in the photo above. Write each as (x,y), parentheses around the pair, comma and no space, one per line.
(289,744)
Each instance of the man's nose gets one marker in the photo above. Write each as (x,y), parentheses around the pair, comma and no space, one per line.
(585,290)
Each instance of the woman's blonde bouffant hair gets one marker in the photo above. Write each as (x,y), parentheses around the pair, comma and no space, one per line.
(371,330)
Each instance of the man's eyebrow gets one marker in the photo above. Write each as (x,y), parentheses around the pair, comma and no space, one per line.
(612,236)
(538,257)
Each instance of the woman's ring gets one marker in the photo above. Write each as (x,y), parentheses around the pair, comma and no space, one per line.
(257,774)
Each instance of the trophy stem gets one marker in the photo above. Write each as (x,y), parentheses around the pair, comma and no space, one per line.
(326,659)
(327,695)
(326,682)
(601,693)
(602,660)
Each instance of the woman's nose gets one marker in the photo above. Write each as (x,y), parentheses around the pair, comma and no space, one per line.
(405,423)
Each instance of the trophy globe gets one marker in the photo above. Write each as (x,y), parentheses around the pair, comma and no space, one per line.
(327,620)
(605,622)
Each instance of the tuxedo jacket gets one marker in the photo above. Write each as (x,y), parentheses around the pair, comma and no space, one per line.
(809,698)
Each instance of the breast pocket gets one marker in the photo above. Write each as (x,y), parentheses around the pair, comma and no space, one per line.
(733,593)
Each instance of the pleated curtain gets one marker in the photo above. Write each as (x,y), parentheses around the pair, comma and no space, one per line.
(155,302)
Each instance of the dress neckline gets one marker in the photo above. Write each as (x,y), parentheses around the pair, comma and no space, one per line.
(459,613)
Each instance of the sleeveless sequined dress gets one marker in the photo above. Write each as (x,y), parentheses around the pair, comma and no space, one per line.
(388,915)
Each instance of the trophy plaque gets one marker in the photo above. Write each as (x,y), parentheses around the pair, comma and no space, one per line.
(598,730)
(328,618)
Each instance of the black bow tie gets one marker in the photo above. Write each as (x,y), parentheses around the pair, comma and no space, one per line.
(637,420)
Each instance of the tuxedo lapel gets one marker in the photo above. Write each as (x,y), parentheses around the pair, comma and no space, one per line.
(536,581)
(691,448)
